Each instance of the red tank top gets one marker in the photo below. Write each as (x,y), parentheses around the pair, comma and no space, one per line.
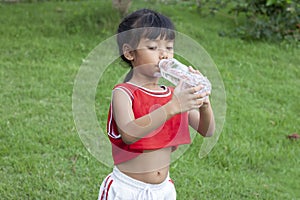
(172,133)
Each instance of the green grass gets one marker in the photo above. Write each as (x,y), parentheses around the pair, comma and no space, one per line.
(42,156)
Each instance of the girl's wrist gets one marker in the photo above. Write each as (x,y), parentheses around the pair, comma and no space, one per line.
(204,107)
(170,110)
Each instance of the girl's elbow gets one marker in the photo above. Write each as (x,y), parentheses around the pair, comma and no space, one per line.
(207,132)
(127,139)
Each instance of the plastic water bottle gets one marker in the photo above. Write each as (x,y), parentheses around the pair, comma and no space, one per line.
(174,71)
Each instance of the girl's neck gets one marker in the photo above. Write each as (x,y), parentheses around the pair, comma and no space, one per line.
(151,85)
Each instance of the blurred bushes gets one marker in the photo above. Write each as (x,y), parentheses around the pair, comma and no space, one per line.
(274,20)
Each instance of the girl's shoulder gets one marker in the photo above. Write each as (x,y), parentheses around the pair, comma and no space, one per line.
(125,85)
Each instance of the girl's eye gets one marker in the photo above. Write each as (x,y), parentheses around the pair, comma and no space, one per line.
(152,47)
(170,48)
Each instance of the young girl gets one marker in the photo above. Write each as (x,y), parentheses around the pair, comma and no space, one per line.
(147,121)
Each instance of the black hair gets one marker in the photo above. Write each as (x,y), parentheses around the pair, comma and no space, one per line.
(143,23)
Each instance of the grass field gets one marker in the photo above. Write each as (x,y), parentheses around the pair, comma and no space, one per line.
(42,156)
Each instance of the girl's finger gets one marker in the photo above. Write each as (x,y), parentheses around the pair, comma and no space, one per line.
(179,86)
(198,87)
(199,103)
(191,69)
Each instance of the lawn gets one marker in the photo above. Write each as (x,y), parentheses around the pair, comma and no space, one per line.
(42,156)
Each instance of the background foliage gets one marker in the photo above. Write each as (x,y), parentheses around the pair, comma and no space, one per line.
(262,19)
(273,20)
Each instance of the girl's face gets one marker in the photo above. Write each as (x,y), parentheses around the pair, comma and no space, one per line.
(148,54)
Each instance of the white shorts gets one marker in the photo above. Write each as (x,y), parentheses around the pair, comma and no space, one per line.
(119,186)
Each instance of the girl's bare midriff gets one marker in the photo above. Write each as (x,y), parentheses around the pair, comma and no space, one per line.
(149,167)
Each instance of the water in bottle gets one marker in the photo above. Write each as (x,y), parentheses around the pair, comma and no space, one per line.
(174,71)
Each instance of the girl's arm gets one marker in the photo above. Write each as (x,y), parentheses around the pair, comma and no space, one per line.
(132,129)
(202,119)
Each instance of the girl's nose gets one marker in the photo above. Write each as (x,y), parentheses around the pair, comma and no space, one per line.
(163,57)
(163,54)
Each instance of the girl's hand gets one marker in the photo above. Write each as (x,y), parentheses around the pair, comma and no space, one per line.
(191,69)
(185,99)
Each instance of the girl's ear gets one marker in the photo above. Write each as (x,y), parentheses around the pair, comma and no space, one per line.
(128,52)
